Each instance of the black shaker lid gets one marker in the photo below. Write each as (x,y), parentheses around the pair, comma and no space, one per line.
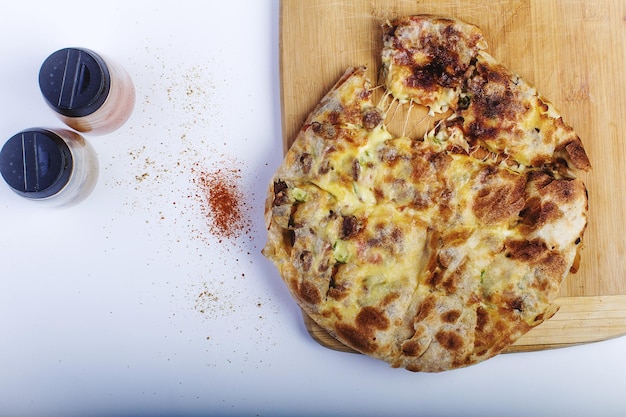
(74,81)
(36,163)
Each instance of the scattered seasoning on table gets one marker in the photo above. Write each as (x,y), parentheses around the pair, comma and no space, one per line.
(199,198)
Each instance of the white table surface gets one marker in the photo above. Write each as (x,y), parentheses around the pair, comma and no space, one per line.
(128,305)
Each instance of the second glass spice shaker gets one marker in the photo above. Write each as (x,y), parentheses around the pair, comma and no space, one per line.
(52,166)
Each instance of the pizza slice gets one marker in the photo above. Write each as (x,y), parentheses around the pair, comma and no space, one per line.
(442,63)
(427,59)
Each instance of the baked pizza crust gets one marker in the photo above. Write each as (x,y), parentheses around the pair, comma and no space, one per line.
(436,253)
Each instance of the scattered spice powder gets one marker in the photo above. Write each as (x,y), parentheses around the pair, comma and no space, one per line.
(222,201)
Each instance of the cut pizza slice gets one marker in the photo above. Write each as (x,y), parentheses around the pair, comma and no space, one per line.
(427,59)
(441,63)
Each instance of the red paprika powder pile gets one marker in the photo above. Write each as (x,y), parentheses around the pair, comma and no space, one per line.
(222,201)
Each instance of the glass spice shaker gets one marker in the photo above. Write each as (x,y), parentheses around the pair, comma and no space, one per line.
(88,92)
(55,166)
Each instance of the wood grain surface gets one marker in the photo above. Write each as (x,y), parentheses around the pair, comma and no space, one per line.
(573,51)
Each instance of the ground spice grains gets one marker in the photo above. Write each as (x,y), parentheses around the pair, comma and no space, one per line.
(223,201)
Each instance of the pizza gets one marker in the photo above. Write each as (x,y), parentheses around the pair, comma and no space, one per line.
(438,252)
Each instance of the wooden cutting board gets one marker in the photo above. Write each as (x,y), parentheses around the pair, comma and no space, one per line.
(573,51)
